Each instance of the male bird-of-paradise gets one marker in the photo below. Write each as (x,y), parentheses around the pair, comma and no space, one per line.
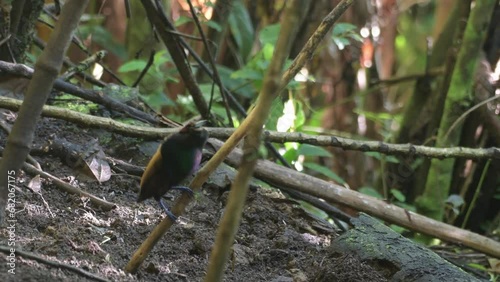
(178,157)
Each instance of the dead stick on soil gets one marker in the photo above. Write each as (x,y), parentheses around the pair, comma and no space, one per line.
(103,204)
(8,250)
(268,171)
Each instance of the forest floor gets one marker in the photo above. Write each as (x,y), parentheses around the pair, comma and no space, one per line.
(277,240)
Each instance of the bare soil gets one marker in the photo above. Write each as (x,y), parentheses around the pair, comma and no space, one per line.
(277,241)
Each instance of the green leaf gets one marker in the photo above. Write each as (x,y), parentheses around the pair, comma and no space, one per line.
(236,85)
(406,206)
(311,150)
(342,28)
(290,155)
(477,266)
(214,25)
(398,195)
(248,73)
(182,20)
(356,37)
(241,28)
(300,116)
(157,100)
(133,65)
(103,37)
(267,51)
(370,191)
(275,113)
(269,34)
(161,57)
(325,171)
(380,157)
(398,228)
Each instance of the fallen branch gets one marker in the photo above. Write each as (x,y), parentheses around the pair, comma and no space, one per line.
(272,136)
(8,250)
(269,171)
(90,95)
(63,186)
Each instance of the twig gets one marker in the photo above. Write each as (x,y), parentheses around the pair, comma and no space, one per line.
(401,79)
(8,250)
(86,77)
(466,113)
(159,20)
(312,44)
(272,136)
(146,68)
(91,95)
(212,63)
(103,204)
(75,40)
(83,65)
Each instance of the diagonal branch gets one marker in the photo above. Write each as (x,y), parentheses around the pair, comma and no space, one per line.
(160,22)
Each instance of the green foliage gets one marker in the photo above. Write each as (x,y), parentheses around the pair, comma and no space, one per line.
(314,210)
(325,171)
(133,65)
(238,86)
(398,195)
(182,20)
(381,157)
(370,191)
(257,66)
(92,26)
(70,102)
(343,33)
(314,151)
(398,228)
(269,34)
(152,85)
(275,114)
(242,29)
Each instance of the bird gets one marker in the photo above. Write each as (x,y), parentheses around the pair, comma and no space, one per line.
(176,158)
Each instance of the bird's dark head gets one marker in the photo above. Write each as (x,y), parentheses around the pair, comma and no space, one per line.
(195,133)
